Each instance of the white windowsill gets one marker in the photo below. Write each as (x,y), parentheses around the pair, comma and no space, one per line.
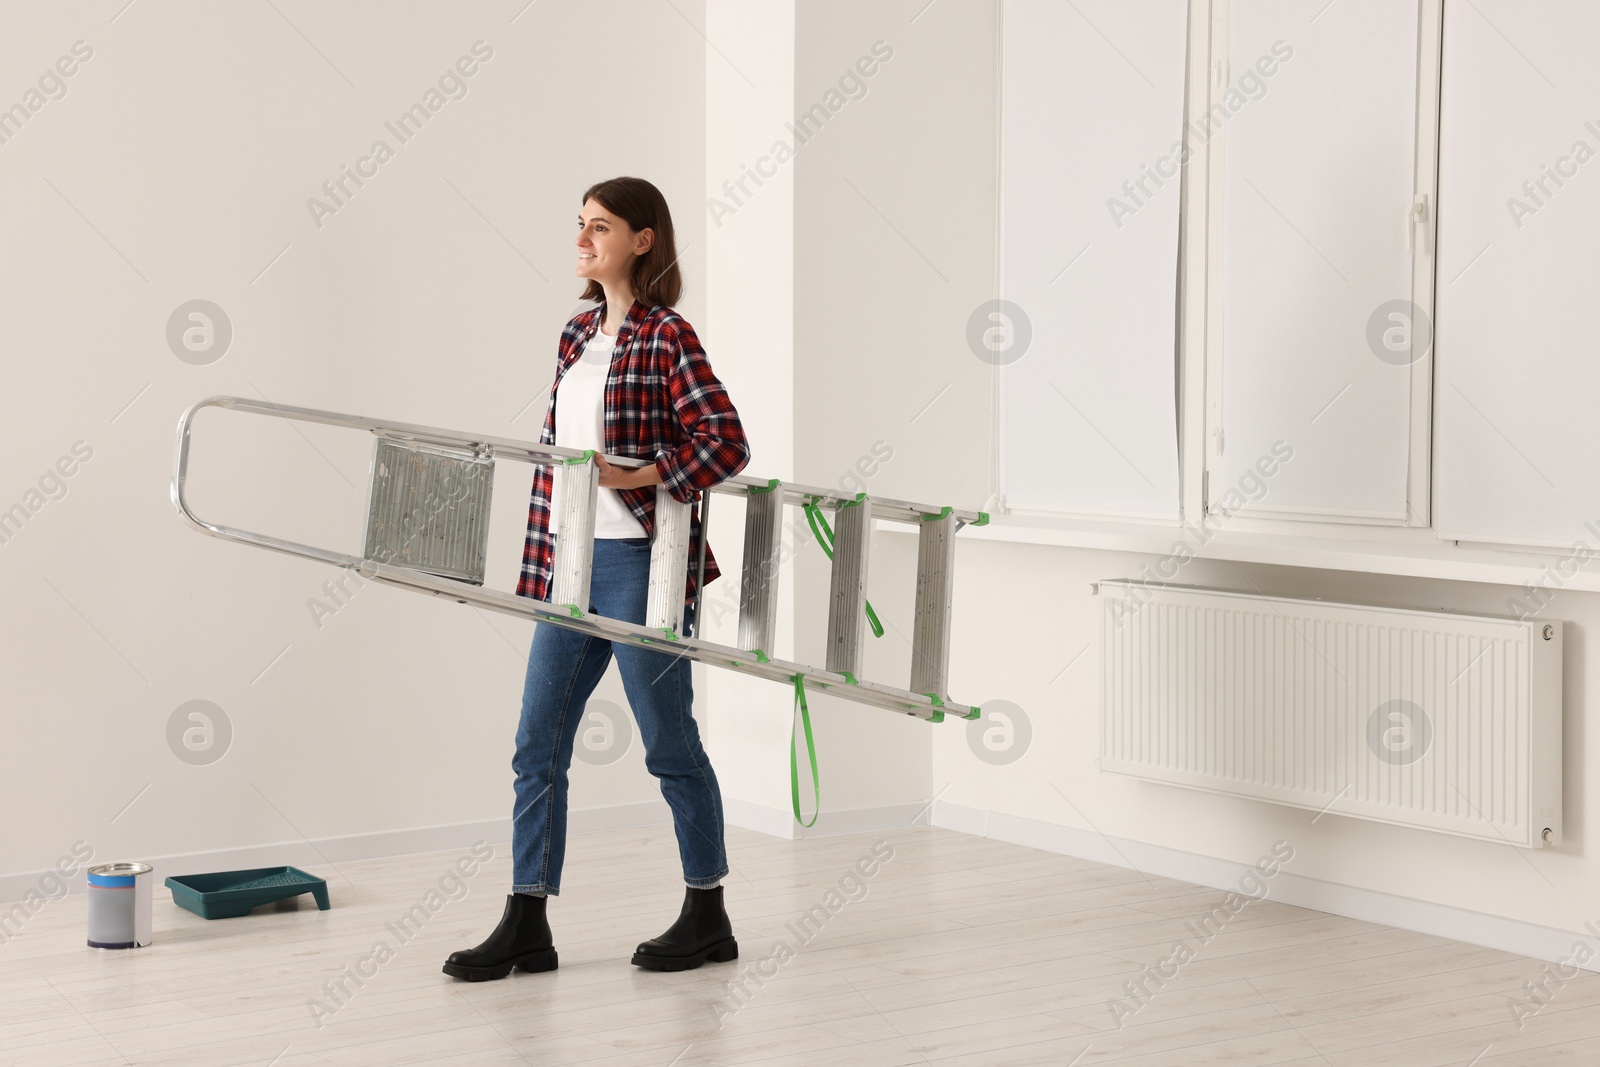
(1413,553)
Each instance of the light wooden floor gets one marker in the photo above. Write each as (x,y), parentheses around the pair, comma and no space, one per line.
(963,951)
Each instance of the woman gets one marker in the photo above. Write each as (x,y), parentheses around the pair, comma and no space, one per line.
(632,380)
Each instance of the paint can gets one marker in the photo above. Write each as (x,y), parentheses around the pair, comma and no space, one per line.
(119,905)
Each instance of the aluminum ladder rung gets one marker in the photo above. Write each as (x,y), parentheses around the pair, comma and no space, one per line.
(847,586)
(930,637)
(574,555)
(669,563)
(574,547)
(758,580)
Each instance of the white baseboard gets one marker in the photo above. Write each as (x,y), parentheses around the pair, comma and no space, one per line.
(352,847)
(780,822)
(1404,913)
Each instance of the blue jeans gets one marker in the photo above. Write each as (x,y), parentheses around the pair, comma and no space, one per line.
(564,666)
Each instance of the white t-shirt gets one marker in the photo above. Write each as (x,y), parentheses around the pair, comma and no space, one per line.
(580,423)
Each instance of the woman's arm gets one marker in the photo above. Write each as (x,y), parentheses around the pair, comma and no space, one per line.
(627,477)
(715,449)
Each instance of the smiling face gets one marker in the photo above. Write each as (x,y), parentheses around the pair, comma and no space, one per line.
(607,245)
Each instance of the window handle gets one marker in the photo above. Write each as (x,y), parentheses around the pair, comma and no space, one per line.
(1416,214)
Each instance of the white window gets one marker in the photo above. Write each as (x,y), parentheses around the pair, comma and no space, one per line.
(1403,336)
(1085,345)
(1322,182)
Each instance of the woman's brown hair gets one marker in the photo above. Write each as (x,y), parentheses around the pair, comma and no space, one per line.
(655,279)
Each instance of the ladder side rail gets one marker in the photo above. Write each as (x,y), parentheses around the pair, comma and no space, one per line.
(699,649)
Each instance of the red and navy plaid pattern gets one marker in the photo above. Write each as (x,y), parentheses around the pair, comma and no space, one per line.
(661,400)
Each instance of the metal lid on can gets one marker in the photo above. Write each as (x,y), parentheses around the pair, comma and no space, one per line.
(123,870)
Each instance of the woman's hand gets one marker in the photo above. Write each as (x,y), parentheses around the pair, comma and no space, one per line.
(614,477)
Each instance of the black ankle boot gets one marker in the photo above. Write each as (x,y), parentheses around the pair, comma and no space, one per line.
(701,933)
(521,940)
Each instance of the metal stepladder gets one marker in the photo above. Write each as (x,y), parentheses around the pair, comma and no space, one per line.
(427,530)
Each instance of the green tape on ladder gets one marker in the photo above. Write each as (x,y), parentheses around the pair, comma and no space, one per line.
(811,751)
(814,515)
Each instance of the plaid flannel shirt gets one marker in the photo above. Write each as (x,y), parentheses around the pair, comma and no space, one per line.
(661,400)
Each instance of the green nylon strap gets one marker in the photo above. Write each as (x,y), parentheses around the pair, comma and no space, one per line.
(811,751)
(814,515)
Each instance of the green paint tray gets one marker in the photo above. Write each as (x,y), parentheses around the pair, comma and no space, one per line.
(229,894)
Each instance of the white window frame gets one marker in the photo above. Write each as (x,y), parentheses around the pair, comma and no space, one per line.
(1200,464)
(999,472)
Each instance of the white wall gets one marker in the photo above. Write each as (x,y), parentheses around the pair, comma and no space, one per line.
(749,63)
(178,166)
(894,248)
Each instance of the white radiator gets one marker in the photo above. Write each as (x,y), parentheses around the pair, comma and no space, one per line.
(1427,719)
